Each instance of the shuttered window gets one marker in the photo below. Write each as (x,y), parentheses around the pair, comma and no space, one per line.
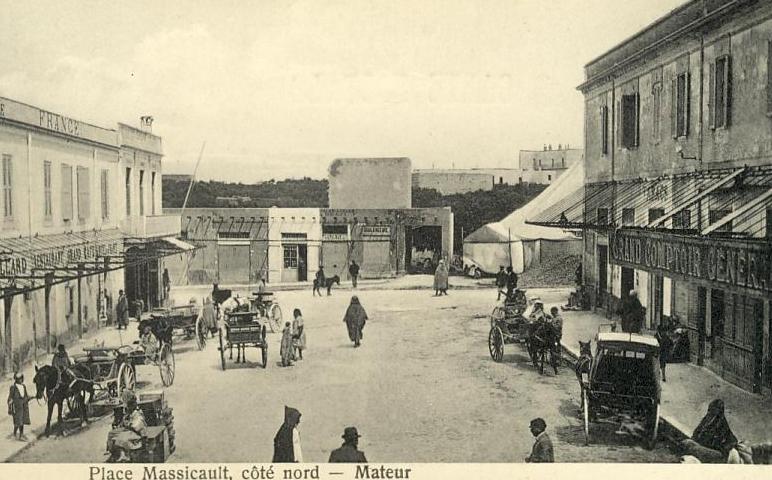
(47,206)
(141,192)
(84,193)
(720,97)
(7,186)
(629,120)
(656,121)
(104,184)
(604,130)
(128,191)
(152,193)
(681,93)
(66,192)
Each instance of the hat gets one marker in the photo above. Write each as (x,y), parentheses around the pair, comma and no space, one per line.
(539,423)
(18,375)
(350,433)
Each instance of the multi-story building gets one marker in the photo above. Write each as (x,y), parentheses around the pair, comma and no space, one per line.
(546,165)
(677,201)
(79,203)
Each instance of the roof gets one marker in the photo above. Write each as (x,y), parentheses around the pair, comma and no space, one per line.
(627,338)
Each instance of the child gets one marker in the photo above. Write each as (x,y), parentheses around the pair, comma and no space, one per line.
(286,346)
(18,406)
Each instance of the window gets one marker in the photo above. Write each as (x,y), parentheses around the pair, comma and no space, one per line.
(104,188)
(630,120)
(655,213)
(84,193)
(152,193)
(604,130)
(66,192)
(128,191)
(656,92)
(47,206)
(290,256)
(716,215)
(680,106)
(562,162)
(519,179)
(628,216)
(534,163)
(720,80)
(141,192)
(769,223)
(603,216)
(501,180)
(549,178)
(682,219)
(553,162)
(7,187)
(769,77)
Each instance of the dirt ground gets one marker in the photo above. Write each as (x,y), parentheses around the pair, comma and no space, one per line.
(422,388)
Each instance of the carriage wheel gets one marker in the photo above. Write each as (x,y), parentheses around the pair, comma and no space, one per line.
(126,378)
(498,315)
(166,364)
(586,415)
(496,344)
(274,317)
(265,354)
(222,351)
(200,334)
(654,431)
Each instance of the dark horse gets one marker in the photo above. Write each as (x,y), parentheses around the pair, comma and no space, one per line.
(73,384)
(327,284)
(543,340)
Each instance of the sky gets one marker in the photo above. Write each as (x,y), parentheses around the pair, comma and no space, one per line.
(278,89)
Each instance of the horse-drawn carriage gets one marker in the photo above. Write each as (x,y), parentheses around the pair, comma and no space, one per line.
(622,378)
(184,320)
(509,325)
(242,329)
(266,307)
(155,439)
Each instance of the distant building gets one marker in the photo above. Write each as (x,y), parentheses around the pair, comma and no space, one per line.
(546,165)
(370,183)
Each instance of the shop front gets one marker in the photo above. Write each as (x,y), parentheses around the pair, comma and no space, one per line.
(720,290)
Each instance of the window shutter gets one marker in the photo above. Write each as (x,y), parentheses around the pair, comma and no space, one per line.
(728,99)
(637,119)
(687,103)
(769,77)
(618,115)
(712,96)
(66,192)
(84,197)
(674,107)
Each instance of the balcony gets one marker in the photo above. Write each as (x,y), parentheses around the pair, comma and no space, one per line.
(151,226)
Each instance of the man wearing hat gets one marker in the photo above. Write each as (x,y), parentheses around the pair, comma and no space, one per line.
(542,449)
(18,406)
(348,453)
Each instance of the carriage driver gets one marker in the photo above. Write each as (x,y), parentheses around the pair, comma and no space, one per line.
(538,315)
(61,361)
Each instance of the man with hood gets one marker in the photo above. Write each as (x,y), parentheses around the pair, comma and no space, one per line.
(122,311)
(355,320)
(348,452)
(632,313)
(713,439)
(441,279)
(208,317)
(286,443)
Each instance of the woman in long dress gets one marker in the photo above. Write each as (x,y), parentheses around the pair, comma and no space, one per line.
(355,320)
(441,279)
(286,346)
(298,333)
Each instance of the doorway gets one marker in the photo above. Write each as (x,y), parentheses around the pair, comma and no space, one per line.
(758,343)
(659,299)
(140,280)
(713,354)
(602,274)
(628,281)
(7,359)
(302,263)
(702,312)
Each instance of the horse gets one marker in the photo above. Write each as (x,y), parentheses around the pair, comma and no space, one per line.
(585,360)
(543,339)
(74,382)
(327,284)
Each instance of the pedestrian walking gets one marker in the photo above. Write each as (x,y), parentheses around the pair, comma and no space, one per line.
(348,452)
(355,320)
(298,333)
(665,347)
(353,270)
(209,317)
(542,451)
(167,283)
(713,439)
(122,310)
(632,313)
(441,279)
(286,350)
(501,281)
(286,443)
(511,282)
(18,406)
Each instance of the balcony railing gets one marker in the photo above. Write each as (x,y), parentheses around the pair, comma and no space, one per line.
(151,226)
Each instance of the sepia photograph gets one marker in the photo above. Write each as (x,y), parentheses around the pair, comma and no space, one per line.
(553,219)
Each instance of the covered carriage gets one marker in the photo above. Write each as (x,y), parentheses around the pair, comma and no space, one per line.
(240,330)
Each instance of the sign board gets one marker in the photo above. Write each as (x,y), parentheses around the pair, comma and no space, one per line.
(335,237)
(26,114)
(23,262)
(731,262)
(376,231)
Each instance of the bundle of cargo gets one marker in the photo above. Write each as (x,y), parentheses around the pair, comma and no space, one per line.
(155,440)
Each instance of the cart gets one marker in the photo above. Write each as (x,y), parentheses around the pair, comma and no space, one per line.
(509,325)
(158,441)
(266,306)
(242,329)
(183,321)
(623,378)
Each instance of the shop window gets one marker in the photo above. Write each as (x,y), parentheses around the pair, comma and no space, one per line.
(7,187)
(47,204)
(682,219)
(628,216)
(720,92)
(630,120)
(680,105)
(603,216)
(66,192)
(290,256)
(604,130)
(655,213)
(716,215)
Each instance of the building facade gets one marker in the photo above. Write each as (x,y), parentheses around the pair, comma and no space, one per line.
(66,228)
(677,200)
(546,165)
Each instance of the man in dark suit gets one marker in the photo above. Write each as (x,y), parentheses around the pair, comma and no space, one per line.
(542,449)
(348,452)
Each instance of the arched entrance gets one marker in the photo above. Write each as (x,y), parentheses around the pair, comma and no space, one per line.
(140,278)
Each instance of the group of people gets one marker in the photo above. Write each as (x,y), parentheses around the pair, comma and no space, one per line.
(287,448)
(293,339)
(506,280)
(554,319)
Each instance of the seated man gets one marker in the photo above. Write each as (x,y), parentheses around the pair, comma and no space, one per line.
(148,342)
(128,435)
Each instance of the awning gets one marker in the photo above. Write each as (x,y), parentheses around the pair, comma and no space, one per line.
(567,213)
(179,244)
